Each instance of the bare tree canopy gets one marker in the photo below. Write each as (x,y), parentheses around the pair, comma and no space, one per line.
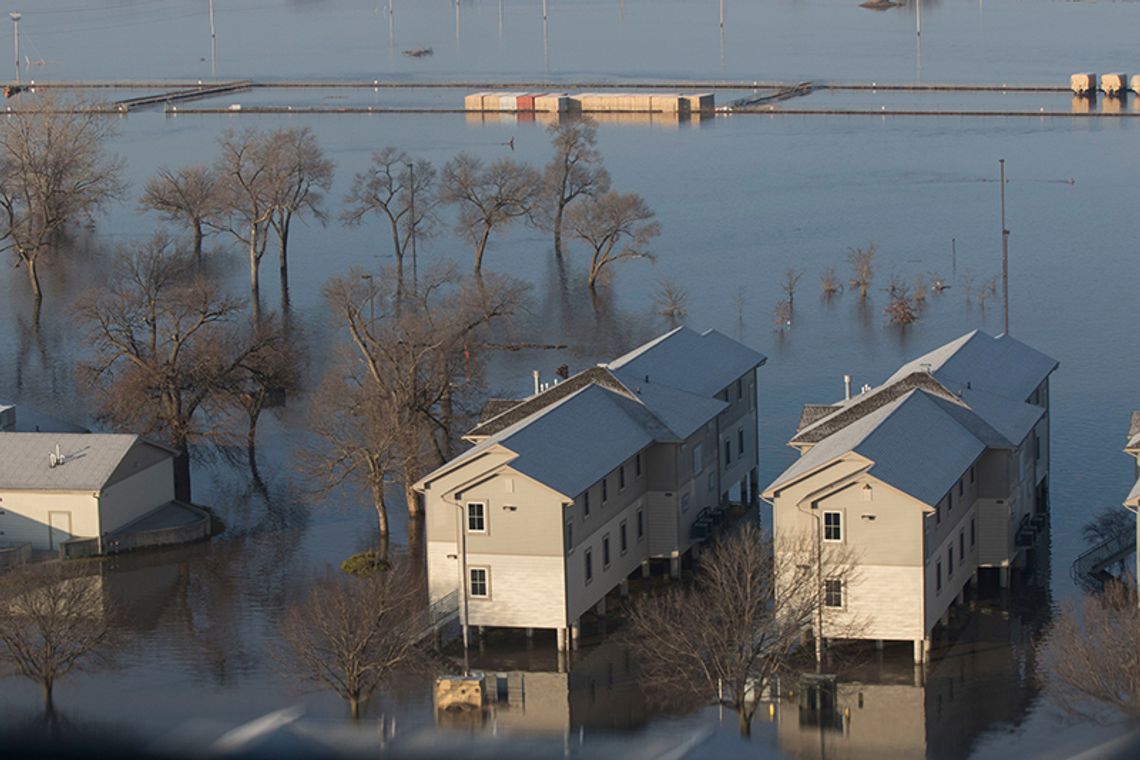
(739,626)
(350,634)
(165,343)
(791,281)
(862,262)
(246,193)
(390,406)
(1092,655)
(488,196)
(387,188)
(188,195)
(576,170)
(615,226)
(54,621)
(54,170)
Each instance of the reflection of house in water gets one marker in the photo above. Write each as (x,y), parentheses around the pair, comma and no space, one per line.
(889,708)
(597,691)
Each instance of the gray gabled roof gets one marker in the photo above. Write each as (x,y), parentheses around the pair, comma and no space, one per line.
(92,461)
(915,444)
(1003,365)
(701,363)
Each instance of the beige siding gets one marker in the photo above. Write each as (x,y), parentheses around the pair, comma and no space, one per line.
(994,536)
(937,602)
(582,595)
(133,497)
(526,591)
(25,517)
(880,602)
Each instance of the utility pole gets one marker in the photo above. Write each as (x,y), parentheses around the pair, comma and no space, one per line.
(722,14)
(1004,250)
(412,188)
(213,43)
(918,18)
(15,16)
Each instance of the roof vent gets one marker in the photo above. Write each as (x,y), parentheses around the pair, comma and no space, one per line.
(865,388)
(925,367)
(55,458)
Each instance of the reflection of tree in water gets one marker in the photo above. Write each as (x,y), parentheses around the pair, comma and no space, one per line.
(56,734)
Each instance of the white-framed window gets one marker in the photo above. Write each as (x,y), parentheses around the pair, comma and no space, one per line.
(697,458)
(962,545)
(938,577)
(637,466)
(739,388)
(606,550)
(476,517)
(832,526)
(480,582)
(972,533)
(623,537)
(727,453)
(972,473)
(739,442)
(833,592)
(949,561)
(585,504)
(569,535)
(640,525)
(589,560)
(621,478)
(605,490)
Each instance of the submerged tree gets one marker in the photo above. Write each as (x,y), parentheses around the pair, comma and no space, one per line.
(388,408)
(900,310)
(672,302)
(246,193)
(165,342)
(829,282)
(862,262)
(575,171)
(54,621)
(54,170)
(791,281)
(188,195)
(387,188)
(488,197)
(299,177)
(729,636)
(351,634)
(615,226)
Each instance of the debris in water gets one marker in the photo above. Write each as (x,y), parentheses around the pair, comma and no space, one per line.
(419,52)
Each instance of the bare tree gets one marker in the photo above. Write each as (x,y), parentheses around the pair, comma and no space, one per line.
(487,196)
(54,170)
(862,262)
(672,302)
(919,294)
(730,635)
(987,290)
(188,195)
(350,634)
(575,171)
(899,308)
(300,175)
(164,345)
(246,193)
(829,282)
(1092,655)
(791,280)
(387,188)
(782,314)
(1109,524)
(54,621)
(615,226)
(388,407)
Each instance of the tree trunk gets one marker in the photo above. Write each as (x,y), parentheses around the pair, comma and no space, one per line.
(198,241)
(558,229)
(415,509)
(745,720)
(381,509)
(480,248)
(34,280)
(283,254)
(49,700)
(182,490)
(354,707)
(251,446)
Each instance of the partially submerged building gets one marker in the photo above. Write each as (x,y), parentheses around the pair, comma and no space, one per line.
(940,470)
(567,493)
(81,494)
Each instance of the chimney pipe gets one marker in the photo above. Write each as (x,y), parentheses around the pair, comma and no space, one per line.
(847,387)
(536,388)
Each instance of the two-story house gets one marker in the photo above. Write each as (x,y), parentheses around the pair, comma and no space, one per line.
(567,493)
(939,471)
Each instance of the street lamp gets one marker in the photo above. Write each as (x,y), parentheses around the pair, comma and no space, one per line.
(15,16)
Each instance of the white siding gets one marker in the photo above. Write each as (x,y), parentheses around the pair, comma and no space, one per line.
(526,592)
(133,497)
(881,602)
(25,517)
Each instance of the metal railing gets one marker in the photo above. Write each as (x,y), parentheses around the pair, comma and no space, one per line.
(1088,567)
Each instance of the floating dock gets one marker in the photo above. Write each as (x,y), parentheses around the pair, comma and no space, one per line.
(590,102)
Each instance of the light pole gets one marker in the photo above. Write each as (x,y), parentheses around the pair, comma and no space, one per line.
(15,16)
(1004,250)
(213,43)
(412,190)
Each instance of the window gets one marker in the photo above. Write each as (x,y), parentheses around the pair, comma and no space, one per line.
(949,561)
(950,502)
(961,487)
(585,505)
(938,513)
(623,541)
(1036,447)
(685,502)
(590,566)
(569,536)
(621,477)
(605,490)
(961,546)
(727,453)
(740,442)
(712,481)
(606,550)
(696,458)
(640,525)
(476,517)
(971,473)
(739,388)
(833,592)
(937,576)
(480,582)
(832,526)
(971,533)
(637,466)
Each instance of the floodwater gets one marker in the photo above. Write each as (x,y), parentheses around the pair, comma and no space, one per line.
(741,199)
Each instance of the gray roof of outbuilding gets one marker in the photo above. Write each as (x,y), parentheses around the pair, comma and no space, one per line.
(700,363)
(92,461)
(1002,365)
(916,444)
